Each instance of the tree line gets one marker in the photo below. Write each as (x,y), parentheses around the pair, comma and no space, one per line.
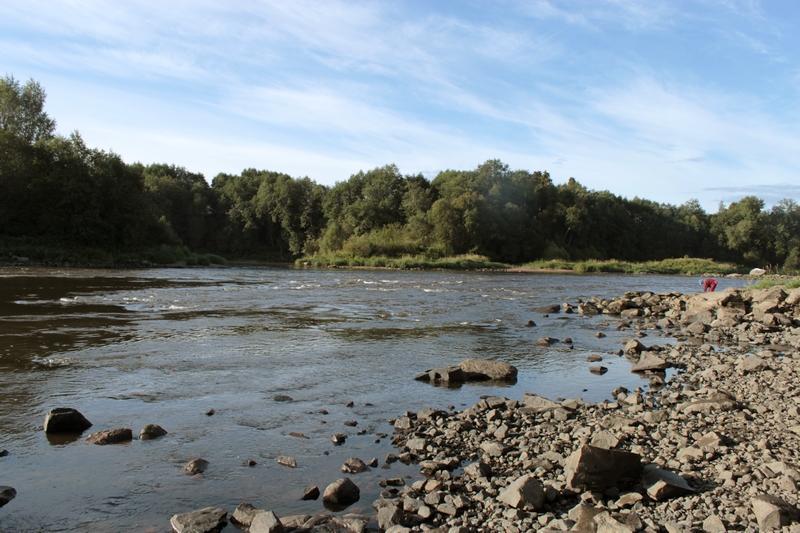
(55,189)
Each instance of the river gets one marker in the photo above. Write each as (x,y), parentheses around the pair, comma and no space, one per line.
(165,346)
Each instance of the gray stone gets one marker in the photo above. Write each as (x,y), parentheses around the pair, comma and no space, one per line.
(110,436)
(593,468)
(7,494)
(266,522)
(311,492)
(772,512)
(152,431)
(341,492)
(206,520)
(604,439)
(286,460)
(662,484)
(354,465)
(526,491)
(195,466)
(649,362)
(65,420)
(714,524)
(486,369)
(243,514)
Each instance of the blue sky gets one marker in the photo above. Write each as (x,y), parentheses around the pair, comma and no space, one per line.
(667,100)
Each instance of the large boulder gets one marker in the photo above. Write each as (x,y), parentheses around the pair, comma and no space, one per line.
(526,491)
(486,369)
(757,272)
(593,468)
(772,513)
(65,420)
(205,520)
(7,494)
(341,493)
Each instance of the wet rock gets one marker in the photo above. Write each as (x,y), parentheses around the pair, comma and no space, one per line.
(286,460)
(526,491)
(600,335)
(350,404)
(210,412)
(3,453)
(649,362)
(243,514)
(772,512)
(266,522)
(152,431)
(282,398)
(65,420)
(548,309)
(633,347)
(338,438)
(530,324)
(487,369)
(593,468)
(111,436)
(206,520)
(250,462)
(350,423)
(662,484)
(447,375)
(598,369)
(311,492)
(195,466)
(546,341)
(594,358)
(7,494)
(354,465)
(341,493)
(297,435)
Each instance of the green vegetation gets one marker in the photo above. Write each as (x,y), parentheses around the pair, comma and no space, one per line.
(786,282)
(405,262)
(62,201)
(689,266)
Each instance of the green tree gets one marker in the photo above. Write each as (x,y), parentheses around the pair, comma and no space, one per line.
(22,110)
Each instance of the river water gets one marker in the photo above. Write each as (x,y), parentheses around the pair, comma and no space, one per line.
(165,346)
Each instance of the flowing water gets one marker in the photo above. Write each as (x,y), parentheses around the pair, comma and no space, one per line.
(128,348)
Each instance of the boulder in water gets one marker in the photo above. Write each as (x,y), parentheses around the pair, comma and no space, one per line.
(205,520)
(65,420)
(111,436)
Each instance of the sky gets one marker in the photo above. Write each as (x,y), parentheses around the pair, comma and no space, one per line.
(668,100)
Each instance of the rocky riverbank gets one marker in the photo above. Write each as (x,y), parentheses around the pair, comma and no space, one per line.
(714,449)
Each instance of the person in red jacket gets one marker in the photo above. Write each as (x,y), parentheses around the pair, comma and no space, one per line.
(709,284)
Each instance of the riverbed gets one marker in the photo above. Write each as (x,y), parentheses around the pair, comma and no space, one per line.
(166,346)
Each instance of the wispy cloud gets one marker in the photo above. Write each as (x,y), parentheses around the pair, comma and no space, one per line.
(596,90)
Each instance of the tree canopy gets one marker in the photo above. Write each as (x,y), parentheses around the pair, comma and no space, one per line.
(57,189)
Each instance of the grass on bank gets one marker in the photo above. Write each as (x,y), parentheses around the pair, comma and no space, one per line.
(405,262)
(688,266)
(792,282)
(685,265)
